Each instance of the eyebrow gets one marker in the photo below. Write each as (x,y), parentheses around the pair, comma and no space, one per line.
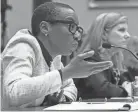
(122,27)
(71,19)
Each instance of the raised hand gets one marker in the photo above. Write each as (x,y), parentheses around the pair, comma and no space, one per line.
(79,68)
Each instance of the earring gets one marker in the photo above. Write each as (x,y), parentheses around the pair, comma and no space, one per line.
(126,37)
(46,34)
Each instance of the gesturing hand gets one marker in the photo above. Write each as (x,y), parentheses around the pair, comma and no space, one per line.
(79,68)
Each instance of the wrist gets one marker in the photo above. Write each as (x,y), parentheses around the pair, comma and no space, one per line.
(65,74)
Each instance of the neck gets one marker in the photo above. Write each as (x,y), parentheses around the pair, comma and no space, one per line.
(107,54)
(48,46)
(117,59)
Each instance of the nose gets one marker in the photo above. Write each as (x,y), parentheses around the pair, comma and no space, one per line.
(127,35)
(77,36)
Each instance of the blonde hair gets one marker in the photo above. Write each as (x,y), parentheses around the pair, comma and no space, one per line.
(101,26)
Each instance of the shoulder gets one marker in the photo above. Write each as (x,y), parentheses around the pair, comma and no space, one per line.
(22,44)
(23,36)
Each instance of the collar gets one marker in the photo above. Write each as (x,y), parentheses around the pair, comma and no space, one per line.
(47,56)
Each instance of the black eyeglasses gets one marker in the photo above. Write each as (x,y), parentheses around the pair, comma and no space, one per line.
(73,27)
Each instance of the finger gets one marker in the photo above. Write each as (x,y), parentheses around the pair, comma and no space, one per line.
(98,70)
(60,95)
(85,55)
(100,64)
(87,50)
(63,99)
(56,94)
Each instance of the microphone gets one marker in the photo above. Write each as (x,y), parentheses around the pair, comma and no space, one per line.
(108,46)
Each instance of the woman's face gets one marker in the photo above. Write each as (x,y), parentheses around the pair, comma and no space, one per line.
(62,39)
(118,35)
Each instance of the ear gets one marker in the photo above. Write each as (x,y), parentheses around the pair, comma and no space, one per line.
(44,27)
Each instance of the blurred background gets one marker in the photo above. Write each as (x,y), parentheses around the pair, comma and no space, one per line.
(16,14)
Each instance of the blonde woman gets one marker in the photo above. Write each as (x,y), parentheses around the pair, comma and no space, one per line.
(107,28)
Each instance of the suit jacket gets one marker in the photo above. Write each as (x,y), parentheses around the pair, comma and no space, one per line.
(130,74)
(26,76)
(101,85)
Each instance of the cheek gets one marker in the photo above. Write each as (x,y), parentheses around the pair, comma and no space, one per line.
(115,38)
(60,35)
(66,36)
(66,41)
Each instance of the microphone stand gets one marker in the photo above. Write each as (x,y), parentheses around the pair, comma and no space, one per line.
(132,97)
(127,50)
(108,46)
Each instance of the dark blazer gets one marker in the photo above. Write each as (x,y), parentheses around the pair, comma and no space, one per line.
(102,85)
(130,74)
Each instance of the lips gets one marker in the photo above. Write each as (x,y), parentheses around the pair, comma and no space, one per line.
(124,45)
(74,47)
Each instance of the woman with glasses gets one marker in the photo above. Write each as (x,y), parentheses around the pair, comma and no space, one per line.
(111,28)
(32,72)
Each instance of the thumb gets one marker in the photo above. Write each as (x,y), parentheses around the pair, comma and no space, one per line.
(86,55)
(60,95)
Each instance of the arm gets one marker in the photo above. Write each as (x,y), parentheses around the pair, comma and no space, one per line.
(20,86)
(70,90)
(104,87)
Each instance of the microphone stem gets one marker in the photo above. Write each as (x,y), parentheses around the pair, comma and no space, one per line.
(128,51)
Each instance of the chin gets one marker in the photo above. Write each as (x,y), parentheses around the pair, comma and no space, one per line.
(121,45)
(124,46)
(67,53)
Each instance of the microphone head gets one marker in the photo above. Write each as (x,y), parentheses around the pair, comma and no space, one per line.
(106,45)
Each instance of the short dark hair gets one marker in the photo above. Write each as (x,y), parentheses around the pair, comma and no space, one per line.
(46,11)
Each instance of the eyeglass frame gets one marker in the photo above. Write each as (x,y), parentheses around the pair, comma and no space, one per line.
(68,22)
